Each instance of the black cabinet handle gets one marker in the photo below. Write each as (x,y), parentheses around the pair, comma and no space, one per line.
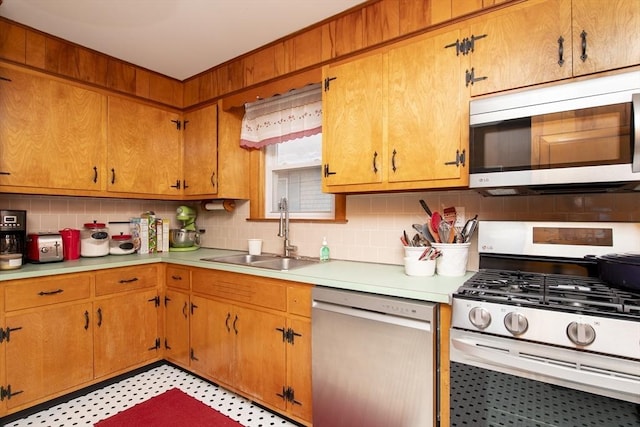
(393,160)
(213,179)
(113,176)
(583,37)
(99,317)
(45,293)
(235,321)
(375,157)
(561,51)
(86,320)
(133,279)
(226,322)
(184,310)
(95,174)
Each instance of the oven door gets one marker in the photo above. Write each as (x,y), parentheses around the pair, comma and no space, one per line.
(502,381)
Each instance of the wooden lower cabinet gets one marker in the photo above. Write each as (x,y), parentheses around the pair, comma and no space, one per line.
(176,328)
(126,332)
(48,351)
(253,335)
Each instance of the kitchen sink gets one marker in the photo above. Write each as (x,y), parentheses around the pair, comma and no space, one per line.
(269,261)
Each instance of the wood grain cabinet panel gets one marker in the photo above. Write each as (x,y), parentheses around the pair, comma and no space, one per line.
(144,149)
(509,52)
(126,332)
(49,351)
(125,279)
(52,134)
(200,166)
(21,294)
(178,278)
(606,35)
(176,332)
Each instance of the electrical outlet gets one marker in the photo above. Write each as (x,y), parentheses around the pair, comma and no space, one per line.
(460,217)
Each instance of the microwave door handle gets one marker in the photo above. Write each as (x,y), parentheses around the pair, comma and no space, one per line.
(635,132)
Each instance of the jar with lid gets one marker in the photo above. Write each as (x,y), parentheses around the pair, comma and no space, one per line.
(94,240)
(121,244)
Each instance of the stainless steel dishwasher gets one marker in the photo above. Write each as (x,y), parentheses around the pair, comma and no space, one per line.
(373,360)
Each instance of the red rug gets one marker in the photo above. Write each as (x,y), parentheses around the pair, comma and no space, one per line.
(172,408)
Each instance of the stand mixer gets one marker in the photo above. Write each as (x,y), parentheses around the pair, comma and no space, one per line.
(185,238)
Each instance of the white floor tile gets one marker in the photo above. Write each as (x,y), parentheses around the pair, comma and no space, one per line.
(100,404)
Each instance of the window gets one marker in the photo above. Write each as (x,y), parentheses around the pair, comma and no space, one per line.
(293,170)
(288,129)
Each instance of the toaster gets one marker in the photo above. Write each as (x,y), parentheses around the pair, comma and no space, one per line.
(44,247)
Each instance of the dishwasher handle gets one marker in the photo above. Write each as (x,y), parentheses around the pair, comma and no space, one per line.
(423,325)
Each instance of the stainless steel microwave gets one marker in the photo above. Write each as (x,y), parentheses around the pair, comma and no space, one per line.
(576,137)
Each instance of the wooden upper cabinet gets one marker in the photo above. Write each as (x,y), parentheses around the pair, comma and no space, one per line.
(426,109)
(606,35)
(352,109)
(144,149)
(52,134)
(200,168)
(526,44)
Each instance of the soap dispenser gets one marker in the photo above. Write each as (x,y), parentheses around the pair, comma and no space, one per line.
(324,250)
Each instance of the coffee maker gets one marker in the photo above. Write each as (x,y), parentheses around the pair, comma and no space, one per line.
(13,233)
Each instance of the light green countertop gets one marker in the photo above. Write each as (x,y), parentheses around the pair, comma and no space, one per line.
(381,279)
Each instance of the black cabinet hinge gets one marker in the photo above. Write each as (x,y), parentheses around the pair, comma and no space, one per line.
(5,334)
(470,77)
(288,335)
(460,158)
(178,124)
(166,344)
(155,300)
(192,355)
(6,393)
(326,172)
(156,346)
(327,82)
(465,46)
(288,394)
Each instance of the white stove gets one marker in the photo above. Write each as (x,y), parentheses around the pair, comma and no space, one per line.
(536,308)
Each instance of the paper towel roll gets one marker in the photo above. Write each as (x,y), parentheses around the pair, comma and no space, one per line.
(219,205)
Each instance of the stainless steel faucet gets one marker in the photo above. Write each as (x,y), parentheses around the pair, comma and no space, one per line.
(283,230)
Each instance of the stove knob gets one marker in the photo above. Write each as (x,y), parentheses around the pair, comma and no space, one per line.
(480,317)
(516,323)
(581,333)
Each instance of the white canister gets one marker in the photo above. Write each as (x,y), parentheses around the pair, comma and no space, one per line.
(94,240)
(121,244)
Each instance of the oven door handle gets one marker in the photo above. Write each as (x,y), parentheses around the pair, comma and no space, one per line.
(519,358)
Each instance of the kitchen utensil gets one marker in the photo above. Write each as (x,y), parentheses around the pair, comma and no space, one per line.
(423,231)
(468,229)
(426,208)
(620,270)
(436,218)
(446,232)
(405,237)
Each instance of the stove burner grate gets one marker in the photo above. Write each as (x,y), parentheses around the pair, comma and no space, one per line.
(553,291)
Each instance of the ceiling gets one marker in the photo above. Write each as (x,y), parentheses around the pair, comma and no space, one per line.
(177,38)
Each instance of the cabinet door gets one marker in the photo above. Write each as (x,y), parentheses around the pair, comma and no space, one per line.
(48,351)
(519,46)
(606,35)
(299,369)
(126,332)
(212,340)
(176,340)
(144,149)
(260,354)
(200,151)
(352,110)
(52,134)
(425,105)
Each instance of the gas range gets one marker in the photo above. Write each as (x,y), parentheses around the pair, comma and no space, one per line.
(536,307)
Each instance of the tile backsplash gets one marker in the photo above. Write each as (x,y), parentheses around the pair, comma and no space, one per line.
(372,233)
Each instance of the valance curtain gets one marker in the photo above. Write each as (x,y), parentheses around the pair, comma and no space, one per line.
(282,118)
